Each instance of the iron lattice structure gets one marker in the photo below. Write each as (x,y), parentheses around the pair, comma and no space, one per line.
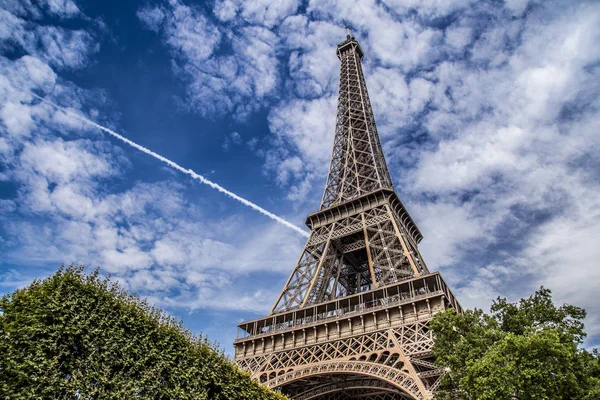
(352,321)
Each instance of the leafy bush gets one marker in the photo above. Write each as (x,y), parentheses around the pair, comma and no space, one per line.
(527,350)
(78,336)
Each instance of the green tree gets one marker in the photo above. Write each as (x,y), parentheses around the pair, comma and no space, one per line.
(527,350)
(77,336)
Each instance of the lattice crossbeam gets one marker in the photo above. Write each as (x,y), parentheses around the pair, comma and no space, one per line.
(352,321)
(357,165)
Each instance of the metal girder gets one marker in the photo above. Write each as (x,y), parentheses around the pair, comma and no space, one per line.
(352,321)
(397,378)
(400,357)
(357,164)
(354,385)
(366,250)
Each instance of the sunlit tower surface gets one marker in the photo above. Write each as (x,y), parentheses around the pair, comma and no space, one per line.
(352,321)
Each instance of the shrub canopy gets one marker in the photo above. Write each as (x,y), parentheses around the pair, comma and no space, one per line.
(78,336)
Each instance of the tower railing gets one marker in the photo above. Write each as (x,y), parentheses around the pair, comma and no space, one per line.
(432,286)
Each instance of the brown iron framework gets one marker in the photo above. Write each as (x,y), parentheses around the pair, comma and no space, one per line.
(352,319)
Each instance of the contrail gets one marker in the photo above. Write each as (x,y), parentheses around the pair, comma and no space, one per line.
(178,167)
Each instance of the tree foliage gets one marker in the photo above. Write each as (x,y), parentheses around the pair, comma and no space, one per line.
(527,350)
(77,336)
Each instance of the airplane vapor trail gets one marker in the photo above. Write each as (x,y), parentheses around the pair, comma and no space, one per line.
(178,167)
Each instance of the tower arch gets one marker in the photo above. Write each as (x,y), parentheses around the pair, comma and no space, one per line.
(367,387)
(392,378)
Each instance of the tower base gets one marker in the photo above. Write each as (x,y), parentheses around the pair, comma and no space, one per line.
(372,345)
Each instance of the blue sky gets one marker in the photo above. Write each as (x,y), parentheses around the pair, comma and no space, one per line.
(488,112)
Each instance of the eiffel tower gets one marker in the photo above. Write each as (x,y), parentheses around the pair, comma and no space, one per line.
(352,319)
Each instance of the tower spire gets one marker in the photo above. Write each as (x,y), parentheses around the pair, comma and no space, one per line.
(357,164)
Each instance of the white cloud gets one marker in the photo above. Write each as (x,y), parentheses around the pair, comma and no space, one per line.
(63,8)
(152,17)
(458,37)
(447,227)
(63,162)
(148,227)
(308,125)
(564,254)
(60,47)
(303,126)
(36,9)
(189,33)
(518,7)
(521,133)
(237,81)
(255,53)
(313,66)
(226,10)
(395,101)
(428,8)
(267,13)
(16,119)
(399,43)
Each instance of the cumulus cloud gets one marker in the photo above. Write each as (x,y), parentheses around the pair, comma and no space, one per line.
(168,255)
(395,100)
(149,236)
(399,42)
(60,47)
(151,17)
(428,8)
(37,9)
(302,146)
(235,81)
(267,13)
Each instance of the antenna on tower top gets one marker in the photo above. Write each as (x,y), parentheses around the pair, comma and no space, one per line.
(348,31)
